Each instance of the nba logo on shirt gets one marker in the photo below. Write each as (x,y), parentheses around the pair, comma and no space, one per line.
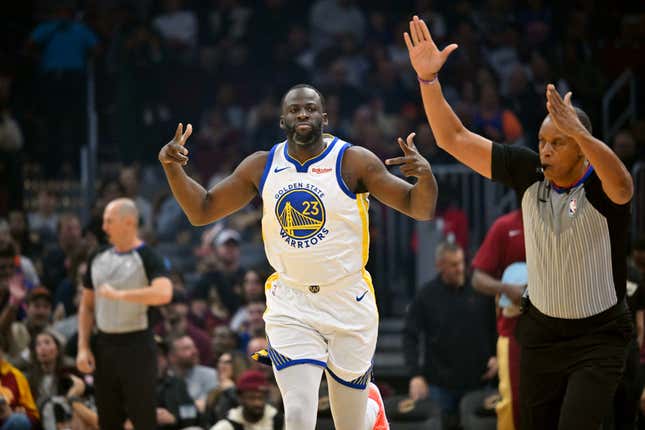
(573,206)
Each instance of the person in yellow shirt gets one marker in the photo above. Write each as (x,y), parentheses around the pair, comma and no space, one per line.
(17,407)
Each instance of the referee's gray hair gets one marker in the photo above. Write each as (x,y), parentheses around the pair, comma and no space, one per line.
(446,246)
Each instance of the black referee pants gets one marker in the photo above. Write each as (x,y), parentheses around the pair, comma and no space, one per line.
(569,369)
(125,380)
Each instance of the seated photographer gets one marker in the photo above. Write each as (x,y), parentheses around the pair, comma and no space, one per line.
(17,408)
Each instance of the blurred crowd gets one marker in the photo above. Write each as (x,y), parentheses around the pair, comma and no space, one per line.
(223,65)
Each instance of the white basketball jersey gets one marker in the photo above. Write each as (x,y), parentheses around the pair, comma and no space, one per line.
(315,229)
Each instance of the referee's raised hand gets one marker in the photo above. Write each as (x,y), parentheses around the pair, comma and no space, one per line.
(425,56)
(175,151)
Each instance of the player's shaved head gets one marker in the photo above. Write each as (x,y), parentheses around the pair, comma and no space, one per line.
(307,86)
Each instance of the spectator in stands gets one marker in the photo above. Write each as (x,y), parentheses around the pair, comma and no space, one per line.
(179,28)
(12,291)
(259,343)
(139,62)
(330,19)
(57,256)
(175,408)
(47,373)
(17,408)
(27,243)
(65,45)
(493,121)
(452,219)
(525,103)
(177,323)
(226,279)
(68,326)
(625,148)
(184,359)
(254,411)
(638,255)
(66,292)
(110,189)
(253,324)
(129,180)
(208,315)
(24,264)
(11,143)
(80,399)
(224,340)
(169,220)
(252,291)
(503,246)
(502,52)
(224,397)
(38,318)
(459,352)
(44,219)
(628,392)
(425,140)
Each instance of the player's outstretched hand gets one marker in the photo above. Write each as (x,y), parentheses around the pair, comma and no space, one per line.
(425,57)
(412,163)
(175,151)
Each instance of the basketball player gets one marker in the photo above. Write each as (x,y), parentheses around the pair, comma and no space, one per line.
(575,196)
(321,307)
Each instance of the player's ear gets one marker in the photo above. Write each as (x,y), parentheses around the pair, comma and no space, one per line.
(281,122)
(325,119)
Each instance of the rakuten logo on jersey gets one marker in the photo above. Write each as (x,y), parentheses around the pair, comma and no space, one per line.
(319,170)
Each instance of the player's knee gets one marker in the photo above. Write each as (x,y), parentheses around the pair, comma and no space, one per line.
(299,414)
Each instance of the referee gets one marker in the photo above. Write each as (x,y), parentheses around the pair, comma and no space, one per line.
(121,282)
(575,197)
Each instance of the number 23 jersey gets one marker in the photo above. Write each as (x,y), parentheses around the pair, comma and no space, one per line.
(315,229)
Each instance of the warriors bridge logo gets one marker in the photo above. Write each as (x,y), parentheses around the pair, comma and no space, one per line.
(301,215)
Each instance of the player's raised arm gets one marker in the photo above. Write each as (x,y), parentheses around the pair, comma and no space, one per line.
(417,201)
(471,149)
(229,195)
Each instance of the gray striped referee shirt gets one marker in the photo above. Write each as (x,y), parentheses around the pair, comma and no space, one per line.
(123,271)
(576,238)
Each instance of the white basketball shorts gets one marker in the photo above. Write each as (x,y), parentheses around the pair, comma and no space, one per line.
(332,326)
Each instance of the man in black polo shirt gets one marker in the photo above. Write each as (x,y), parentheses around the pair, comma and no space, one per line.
(575,197)
(121,282)
(455,327)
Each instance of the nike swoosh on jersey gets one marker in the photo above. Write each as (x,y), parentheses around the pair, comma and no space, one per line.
(513,233)
(278,170)
(359,298)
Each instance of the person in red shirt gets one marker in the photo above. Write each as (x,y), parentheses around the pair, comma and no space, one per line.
(17,407)
(503,246)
